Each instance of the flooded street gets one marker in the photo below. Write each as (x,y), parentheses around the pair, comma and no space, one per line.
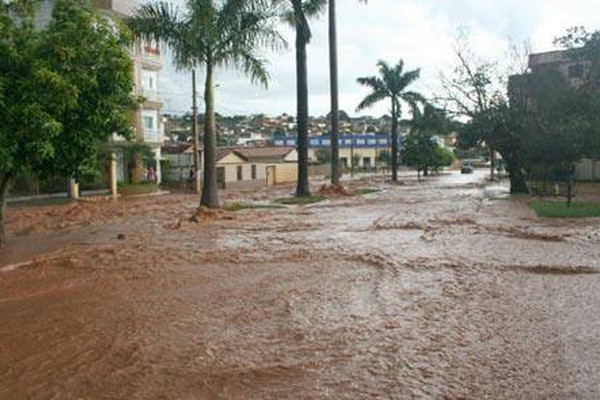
(443,289)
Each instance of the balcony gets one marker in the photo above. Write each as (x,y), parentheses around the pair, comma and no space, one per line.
(151,57)
(153,135)
(122,8)
(152,98)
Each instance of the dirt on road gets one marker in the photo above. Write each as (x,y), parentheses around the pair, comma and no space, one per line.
(440,289)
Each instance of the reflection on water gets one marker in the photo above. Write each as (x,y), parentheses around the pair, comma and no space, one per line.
(431,290)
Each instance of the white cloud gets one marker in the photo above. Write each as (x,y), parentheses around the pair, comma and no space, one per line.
(419,32)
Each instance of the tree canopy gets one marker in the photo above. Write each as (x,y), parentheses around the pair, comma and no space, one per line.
(62,90)
(212,34)
(392,84)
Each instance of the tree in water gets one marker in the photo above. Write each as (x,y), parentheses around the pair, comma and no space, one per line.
(212,34)
(63,90)
(297,15)
(334,114)
(392,84)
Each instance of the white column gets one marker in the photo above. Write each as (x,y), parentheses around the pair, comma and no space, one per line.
(73,189)
(112,179)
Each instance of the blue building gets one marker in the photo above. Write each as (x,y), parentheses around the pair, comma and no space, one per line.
(357,141)
(364,149)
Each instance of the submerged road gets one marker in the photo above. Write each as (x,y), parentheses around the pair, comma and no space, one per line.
(442,289)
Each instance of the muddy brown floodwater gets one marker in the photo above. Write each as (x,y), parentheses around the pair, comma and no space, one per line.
(436,290)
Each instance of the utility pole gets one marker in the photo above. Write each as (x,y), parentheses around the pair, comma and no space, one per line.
(195,134)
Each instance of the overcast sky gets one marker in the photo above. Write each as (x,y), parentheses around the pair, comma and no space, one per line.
(420,32)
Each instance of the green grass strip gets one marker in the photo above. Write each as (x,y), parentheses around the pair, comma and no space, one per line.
(233,207)
(561,210)
(300,200)
(368,191)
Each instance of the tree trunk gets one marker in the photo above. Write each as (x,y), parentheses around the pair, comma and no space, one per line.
(302,188)
(571,177)
(515,175)
(195,135)
(492,164)
(4,183)
(333,82)
(210,193)
(394,143)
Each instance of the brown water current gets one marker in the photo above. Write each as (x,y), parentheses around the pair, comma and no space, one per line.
(441,289)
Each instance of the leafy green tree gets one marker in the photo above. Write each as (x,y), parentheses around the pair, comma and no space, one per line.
(473,94)
(45,87)
(323,155)
(29,91)
(443,157)
(419,151)
(212,34)
(90,53)
(392,84)
(297,15)
(384,157)
(422,150)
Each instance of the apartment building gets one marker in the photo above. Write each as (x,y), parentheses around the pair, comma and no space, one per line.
(147,64)
(574,69)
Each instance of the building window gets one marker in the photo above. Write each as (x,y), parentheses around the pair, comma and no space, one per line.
(372,141)
(240,175)
(576,71)
(367,162)
(344,162)
(360,141)
(148,122)
(253,172)
(383,141)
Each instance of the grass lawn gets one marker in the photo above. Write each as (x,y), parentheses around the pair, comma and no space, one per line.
(368,191)
(299,200)
(561,210)
(247,206)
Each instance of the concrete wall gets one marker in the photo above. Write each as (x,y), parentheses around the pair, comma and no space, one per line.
(587,170)
(286,172)
(346,154)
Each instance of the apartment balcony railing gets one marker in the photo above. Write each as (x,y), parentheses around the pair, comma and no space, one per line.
(151,95)
(153,135)
(151,57)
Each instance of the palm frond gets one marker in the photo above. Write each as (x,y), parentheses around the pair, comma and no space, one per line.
(313,8)
(155,21)
(408,78)
(370,99)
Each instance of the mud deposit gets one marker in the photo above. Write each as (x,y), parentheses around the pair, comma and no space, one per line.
(429,290)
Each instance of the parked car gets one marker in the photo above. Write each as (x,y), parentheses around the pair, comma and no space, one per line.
(466,169)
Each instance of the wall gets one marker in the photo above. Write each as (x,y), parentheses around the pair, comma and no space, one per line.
(587,170)
(231,178)
(285,173)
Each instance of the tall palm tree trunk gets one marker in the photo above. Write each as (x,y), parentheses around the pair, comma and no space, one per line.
(333,82)
(394,142)
(195,135)
(302,188)
(210,194)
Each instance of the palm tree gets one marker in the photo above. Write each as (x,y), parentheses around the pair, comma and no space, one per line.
(297,16)
(334,89)
(392,83)
(212,34)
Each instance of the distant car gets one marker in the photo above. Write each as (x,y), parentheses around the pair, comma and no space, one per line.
(466,169)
